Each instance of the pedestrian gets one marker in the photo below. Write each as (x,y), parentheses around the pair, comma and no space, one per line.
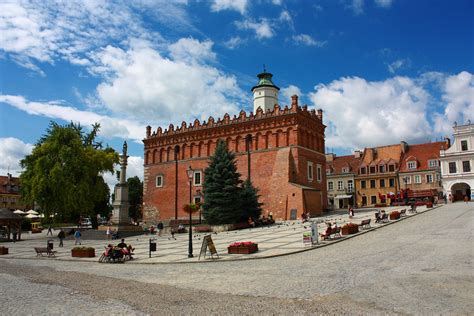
(108,232)
(50,231)
(14,234)
(61,237)
(450,198)
(77,237)
(445,198)
(160,228)
(466,199)
(351,211)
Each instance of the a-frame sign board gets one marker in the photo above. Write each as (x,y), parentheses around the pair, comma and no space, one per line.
(208,243)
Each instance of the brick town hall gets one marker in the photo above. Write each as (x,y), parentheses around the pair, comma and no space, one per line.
(284,147)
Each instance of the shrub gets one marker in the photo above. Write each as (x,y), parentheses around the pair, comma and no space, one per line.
(79,248)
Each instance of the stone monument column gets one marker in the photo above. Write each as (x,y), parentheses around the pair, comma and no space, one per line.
(120,203)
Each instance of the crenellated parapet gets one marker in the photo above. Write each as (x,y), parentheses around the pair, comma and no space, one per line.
(226,120)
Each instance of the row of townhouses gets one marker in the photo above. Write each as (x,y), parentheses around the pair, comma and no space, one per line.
(387,175)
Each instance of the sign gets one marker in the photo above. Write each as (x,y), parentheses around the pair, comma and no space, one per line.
(208,243)
(314,233)
(307,238)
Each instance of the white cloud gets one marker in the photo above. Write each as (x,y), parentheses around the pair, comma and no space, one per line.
(12,150)
(384,3)
(234,42)
(69,30)
(236,5)
(357,6)
(361,113)
(262,29)
(110,127)
(134,168)
(307,40)
(286,17)
(277,2)
(289,91)
(192,51)
(398,64)
(458,94)
(149,87)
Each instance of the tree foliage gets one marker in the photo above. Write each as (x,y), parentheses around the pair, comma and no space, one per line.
(63,174)
(135,197)
(226,200)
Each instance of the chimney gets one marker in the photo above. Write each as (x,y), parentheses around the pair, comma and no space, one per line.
(404,146)
(320,114)
(294,102)
(148,131)
(330,157)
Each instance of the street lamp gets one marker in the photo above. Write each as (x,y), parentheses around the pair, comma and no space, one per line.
(190,178)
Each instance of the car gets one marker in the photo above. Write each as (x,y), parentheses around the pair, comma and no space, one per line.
(86,222)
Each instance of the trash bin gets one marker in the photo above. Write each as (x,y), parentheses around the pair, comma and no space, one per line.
(152,246)
(50,244)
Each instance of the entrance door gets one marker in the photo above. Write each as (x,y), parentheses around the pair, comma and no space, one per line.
(364,201)
(461,190)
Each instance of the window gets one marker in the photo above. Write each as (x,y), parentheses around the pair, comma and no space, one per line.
(350,186)
(438,177)
(382,183)
(328,171)
(429,178)
(345,170)
(391,168)
(452,167)
(318,173)
(372,169)
(340,185)
(432,163)
(407,180)
(382,169)
(330,186)
(373,199)
(363,171)
(466,166)
(310,171)
(372,183)
(363,184)
(417,179)
(464,145)
(197,177)
(159,181)
(391,182)
(197,199)
(411,165)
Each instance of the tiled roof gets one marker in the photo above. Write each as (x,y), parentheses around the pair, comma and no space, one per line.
(422,153)
(344,161)
(4,181)
(382,153)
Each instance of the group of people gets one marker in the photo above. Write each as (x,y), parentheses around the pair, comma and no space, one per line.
(305,217)
(122,249)
(262,221)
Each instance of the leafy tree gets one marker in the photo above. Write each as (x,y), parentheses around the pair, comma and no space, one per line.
(221,188)
(250,205)
(135,196)
(63,174)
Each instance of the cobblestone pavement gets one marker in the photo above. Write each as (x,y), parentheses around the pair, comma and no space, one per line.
(421,265)
(274,240)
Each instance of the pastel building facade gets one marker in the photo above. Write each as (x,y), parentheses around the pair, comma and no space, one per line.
(340,174)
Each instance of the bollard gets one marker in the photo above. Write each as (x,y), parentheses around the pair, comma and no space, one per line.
(49,244)
(152,246)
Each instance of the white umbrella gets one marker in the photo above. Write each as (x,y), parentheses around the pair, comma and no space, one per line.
(20,212)
(32,216)
(32,212)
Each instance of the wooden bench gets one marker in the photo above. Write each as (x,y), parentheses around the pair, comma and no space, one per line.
(40,251)
(403,212)
(365,223)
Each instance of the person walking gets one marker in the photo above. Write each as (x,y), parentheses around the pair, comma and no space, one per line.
(50,231)
(160,228)
(77,237)
(108,232)
(61,237)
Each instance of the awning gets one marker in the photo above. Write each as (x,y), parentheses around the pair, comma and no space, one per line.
(342,197)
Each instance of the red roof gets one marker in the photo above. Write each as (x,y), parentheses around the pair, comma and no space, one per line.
(421,153)
(339,163)
(5,182)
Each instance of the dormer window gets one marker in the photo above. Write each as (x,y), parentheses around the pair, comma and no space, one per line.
(345,170)
(328,171)
(372,169)
(363,170)
(411,165)
(391,168)
(382,168)
(433,163)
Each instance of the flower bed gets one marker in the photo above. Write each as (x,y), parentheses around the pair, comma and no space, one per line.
(83,252)
(245,247)
(3,251)
(394,215)
(349,229)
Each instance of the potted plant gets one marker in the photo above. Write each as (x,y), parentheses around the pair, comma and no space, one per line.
(83,252)
(394,215)
(242,247)
(349,229)
(3,250)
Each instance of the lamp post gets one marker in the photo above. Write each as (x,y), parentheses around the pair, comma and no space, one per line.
(248,141)
(190,172)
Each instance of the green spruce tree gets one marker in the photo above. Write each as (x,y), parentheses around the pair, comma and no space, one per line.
(250,206)
(222,192)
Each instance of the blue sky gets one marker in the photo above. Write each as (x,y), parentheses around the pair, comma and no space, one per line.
(382,70)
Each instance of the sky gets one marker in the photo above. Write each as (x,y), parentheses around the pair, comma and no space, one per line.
(382,70)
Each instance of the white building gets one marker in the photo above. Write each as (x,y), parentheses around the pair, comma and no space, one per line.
(457,163)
